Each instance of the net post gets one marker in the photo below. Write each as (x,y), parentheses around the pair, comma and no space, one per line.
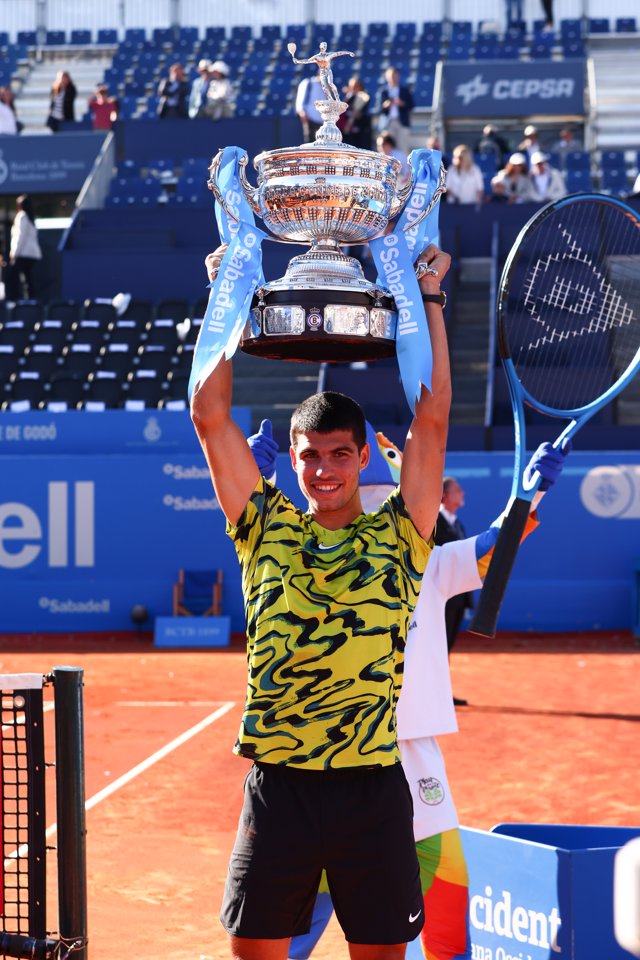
(70,802)
(36,818)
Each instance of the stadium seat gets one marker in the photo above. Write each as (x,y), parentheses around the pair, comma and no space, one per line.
(79,359)
(270,32)
(30,311)
(626,25)
(25,389)
(67,311)
(56,38)
(144,385)
(614,180)
(571,29)
(126,330)
(176,385)
(174,308)
(155,357)
(135,34)
(573,49)
(15,334)
(53,332)
(27,37)
(578,180)
(9,360)
(81,38)
(107,35)
(40,358)
(4,38)
(68,387)
(598,25)
(104,386)
(578,160)
(197,593)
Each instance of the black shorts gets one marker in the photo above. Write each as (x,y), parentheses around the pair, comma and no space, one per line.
(357,824)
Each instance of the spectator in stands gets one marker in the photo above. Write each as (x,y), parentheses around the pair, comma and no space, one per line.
(385,143)
(356,121)
(530,144)
(173,92)
(518,186)
(199,87)
(396,104)
(465,183)
(24,252)
(492,143)
(6,97)
(566,143)
(498,190)
(63,96)
(548,182)
(220,97)
(547,6)
(309,90)
(103,108)
(8,122)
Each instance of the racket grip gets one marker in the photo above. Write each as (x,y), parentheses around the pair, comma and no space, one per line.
(485,618)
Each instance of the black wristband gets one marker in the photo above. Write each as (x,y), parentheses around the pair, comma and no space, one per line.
(440,298)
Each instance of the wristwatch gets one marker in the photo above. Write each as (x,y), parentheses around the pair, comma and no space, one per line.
(440,298)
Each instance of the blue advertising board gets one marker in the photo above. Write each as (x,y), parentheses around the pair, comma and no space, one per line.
(87,535)
(514,88)
(47,164)
(538,891)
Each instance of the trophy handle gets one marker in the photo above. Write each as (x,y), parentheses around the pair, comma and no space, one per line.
(250,192)
(400,200)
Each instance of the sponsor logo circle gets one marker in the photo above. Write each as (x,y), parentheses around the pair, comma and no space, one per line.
(607,491)
(431,791)
(314,320)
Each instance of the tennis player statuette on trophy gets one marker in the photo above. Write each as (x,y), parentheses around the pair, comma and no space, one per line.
(325,194)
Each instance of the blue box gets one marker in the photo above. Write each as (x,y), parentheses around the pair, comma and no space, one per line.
(543,891)
(192,631)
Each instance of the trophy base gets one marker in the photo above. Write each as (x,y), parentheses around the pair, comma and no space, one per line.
(324,325)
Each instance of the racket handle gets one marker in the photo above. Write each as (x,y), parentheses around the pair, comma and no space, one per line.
(485,619)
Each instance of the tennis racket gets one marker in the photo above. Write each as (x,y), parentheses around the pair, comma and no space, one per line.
(568,330)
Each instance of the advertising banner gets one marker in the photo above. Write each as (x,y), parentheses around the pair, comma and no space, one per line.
(84,538)
(514,88)
(46,164)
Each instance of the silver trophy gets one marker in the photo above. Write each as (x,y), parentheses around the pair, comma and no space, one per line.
(324,194)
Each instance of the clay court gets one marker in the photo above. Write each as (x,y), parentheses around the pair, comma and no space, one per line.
(550,735)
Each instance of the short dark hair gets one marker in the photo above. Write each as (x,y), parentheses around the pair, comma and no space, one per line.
(326,412)
(446,483)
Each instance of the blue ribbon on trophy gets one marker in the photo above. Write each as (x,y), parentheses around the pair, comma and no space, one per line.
(394,255)
(240,272)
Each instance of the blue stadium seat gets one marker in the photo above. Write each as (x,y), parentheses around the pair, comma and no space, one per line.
(128,106)
(578,180)
(296,32)
(190,34)
(432,30)
(461,30)
(320,32)
(196,167)
(573,49)
(599,25)
(423,93)
(578,160)
(56,38)
(28,37)
(612,160)
(107,35)
(4,38)
(405,30)
(626,25)
(540,50)
(135,34)
(460,51)
(243,33)
(571,29)
(486,51)
(270,31)
(129,168)
(162,35)
(215,34)
(378,28)
(350,32)
(508,51)
(81,38)
(614,180)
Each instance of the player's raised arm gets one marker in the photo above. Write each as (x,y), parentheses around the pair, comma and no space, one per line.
(232,466)
(424,451)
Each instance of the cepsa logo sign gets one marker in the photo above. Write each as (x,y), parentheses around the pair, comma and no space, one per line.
(66,534)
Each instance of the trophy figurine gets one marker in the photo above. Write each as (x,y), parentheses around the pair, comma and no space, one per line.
(324,194)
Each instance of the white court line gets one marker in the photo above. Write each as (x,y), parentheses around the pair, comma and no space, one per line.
(165,703)
(135,771)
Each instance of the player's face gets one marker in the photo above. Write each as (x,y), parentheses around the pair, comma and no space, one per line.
(328,466)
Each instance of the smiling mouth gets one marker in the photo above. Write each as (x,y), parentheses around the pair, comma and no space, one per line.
(326,487)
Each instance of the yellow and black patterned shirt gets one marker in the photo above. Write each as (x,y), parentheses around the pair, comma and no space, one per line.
(327,617)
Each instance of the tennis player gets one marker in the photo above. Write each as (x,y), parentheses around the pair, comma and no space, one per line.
(425,708)
(328,595)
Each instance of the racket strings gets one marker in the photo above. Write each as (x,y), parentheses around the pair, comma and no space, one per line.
(571,305)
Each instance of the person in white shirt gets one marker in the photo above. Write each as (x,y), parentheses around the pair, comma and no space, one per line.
(24,252)
(548,182)
(8,123)
(425,708)
(309,90)
(465,183)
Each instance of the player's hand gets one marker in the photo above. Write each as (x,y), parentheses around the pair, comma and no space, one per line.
(264,449)
(548,461)
(438,263)
(213,261)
